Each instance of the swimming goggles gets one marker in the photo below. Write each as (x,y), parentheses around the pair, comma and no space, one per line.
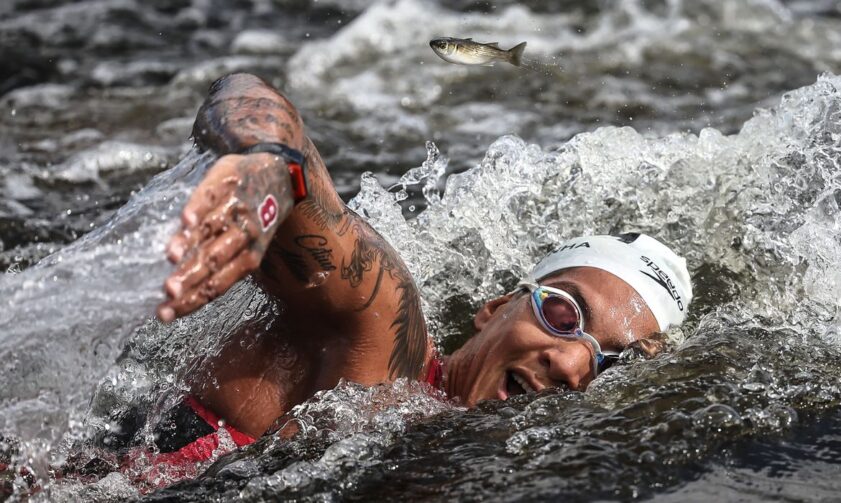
(561,316)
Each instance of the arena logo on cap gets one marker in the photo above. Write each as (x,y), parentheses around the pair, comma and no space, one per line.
(663,280)
(573,246)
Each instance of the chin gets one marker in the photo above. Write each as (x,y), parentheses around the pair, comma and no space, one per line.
(495,391)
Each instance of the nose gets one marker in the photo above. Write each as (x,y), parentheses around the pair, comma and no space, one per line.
(568,363)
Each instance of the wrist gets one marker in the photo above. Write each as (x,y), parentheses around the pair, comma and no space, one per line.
(295,162)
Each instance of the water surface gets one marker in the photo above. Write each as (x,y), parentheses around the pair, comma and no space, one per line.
(686,120)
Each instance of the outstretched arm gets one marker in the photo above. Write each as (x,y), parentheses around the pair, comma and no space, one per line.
(329,267)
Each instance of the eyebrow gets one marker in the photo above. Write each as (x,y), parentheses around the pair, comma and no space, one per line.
(572,289)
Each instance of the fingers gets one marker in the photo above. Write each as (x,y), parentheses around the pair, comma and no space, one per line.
(229,244)
(214,223)
(207,261)
(211,288)
(212,191)
(225,222)
(179,244)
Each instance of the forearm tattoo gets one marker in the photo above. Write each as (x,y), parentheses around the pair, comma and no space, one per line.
(321,208)
(254,184)
(316,246)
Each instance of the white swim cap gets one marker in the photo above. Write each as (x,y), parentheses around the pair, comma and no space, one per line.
(657,274)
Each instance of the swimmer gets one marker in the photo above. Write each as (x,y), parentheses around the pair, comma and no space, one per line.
(267,208)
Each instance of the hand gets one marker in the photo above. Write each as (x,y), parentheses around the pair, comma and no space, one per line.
(226,227)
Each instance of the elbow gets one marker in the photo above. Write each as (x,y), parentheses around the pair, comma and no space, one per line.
(242,109)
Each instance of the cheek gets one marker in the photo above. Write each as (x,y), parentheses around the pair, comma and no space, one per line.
(506,329)
(496,340)
(486,343)
(512,338)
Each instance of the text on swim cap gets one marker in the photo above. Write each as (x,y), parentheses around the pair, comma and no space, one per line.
(663,280)
(573,246)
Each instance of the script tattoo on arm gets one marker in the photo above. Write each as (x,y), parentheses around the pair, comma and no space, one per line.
(317,247)
(371,255)
(372,265)
(295,262)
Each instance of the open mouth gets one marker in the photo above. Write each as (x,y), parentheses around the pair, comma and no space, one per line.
(516,384)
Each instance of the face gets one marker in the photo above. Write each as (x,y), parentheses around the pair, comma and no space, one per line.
(512,353)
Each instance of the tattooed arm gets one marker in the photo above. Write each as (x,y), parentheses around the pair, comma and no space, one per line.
(339,279)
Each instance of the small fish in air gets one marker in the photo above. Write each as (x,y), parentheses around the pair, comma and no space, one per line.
(464,51)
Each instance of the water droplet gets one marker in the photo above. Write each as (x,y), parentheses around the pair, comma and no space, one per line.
(318,279)
(753,386)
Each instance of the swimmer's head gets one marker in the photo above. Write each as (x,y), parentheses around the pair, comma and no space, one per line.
(579,307)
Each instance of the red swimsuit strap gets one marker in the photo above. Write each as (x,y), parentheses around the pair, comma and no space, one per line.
(213,420)
(435,373)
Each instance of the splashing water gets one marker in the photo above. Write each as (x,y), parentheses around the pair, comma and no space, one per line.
(752,214)
(751,379)
(67,318)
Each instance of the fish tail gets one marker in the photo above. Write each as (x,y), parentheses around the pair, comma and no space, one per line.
(516,53)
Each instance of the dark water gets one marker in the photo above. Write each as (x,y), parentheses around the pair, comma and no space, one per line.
(725,161)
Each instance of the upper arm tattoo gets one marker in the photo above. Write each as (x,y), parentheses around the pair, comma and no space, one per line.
(409,353)
(371,255)
(371,252)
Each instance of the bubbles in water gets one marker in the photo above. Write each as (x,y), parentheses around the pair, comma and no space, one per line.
(755,213)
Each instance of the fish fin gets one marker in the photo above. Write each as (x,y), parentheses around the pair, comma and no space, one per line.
(516,53)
